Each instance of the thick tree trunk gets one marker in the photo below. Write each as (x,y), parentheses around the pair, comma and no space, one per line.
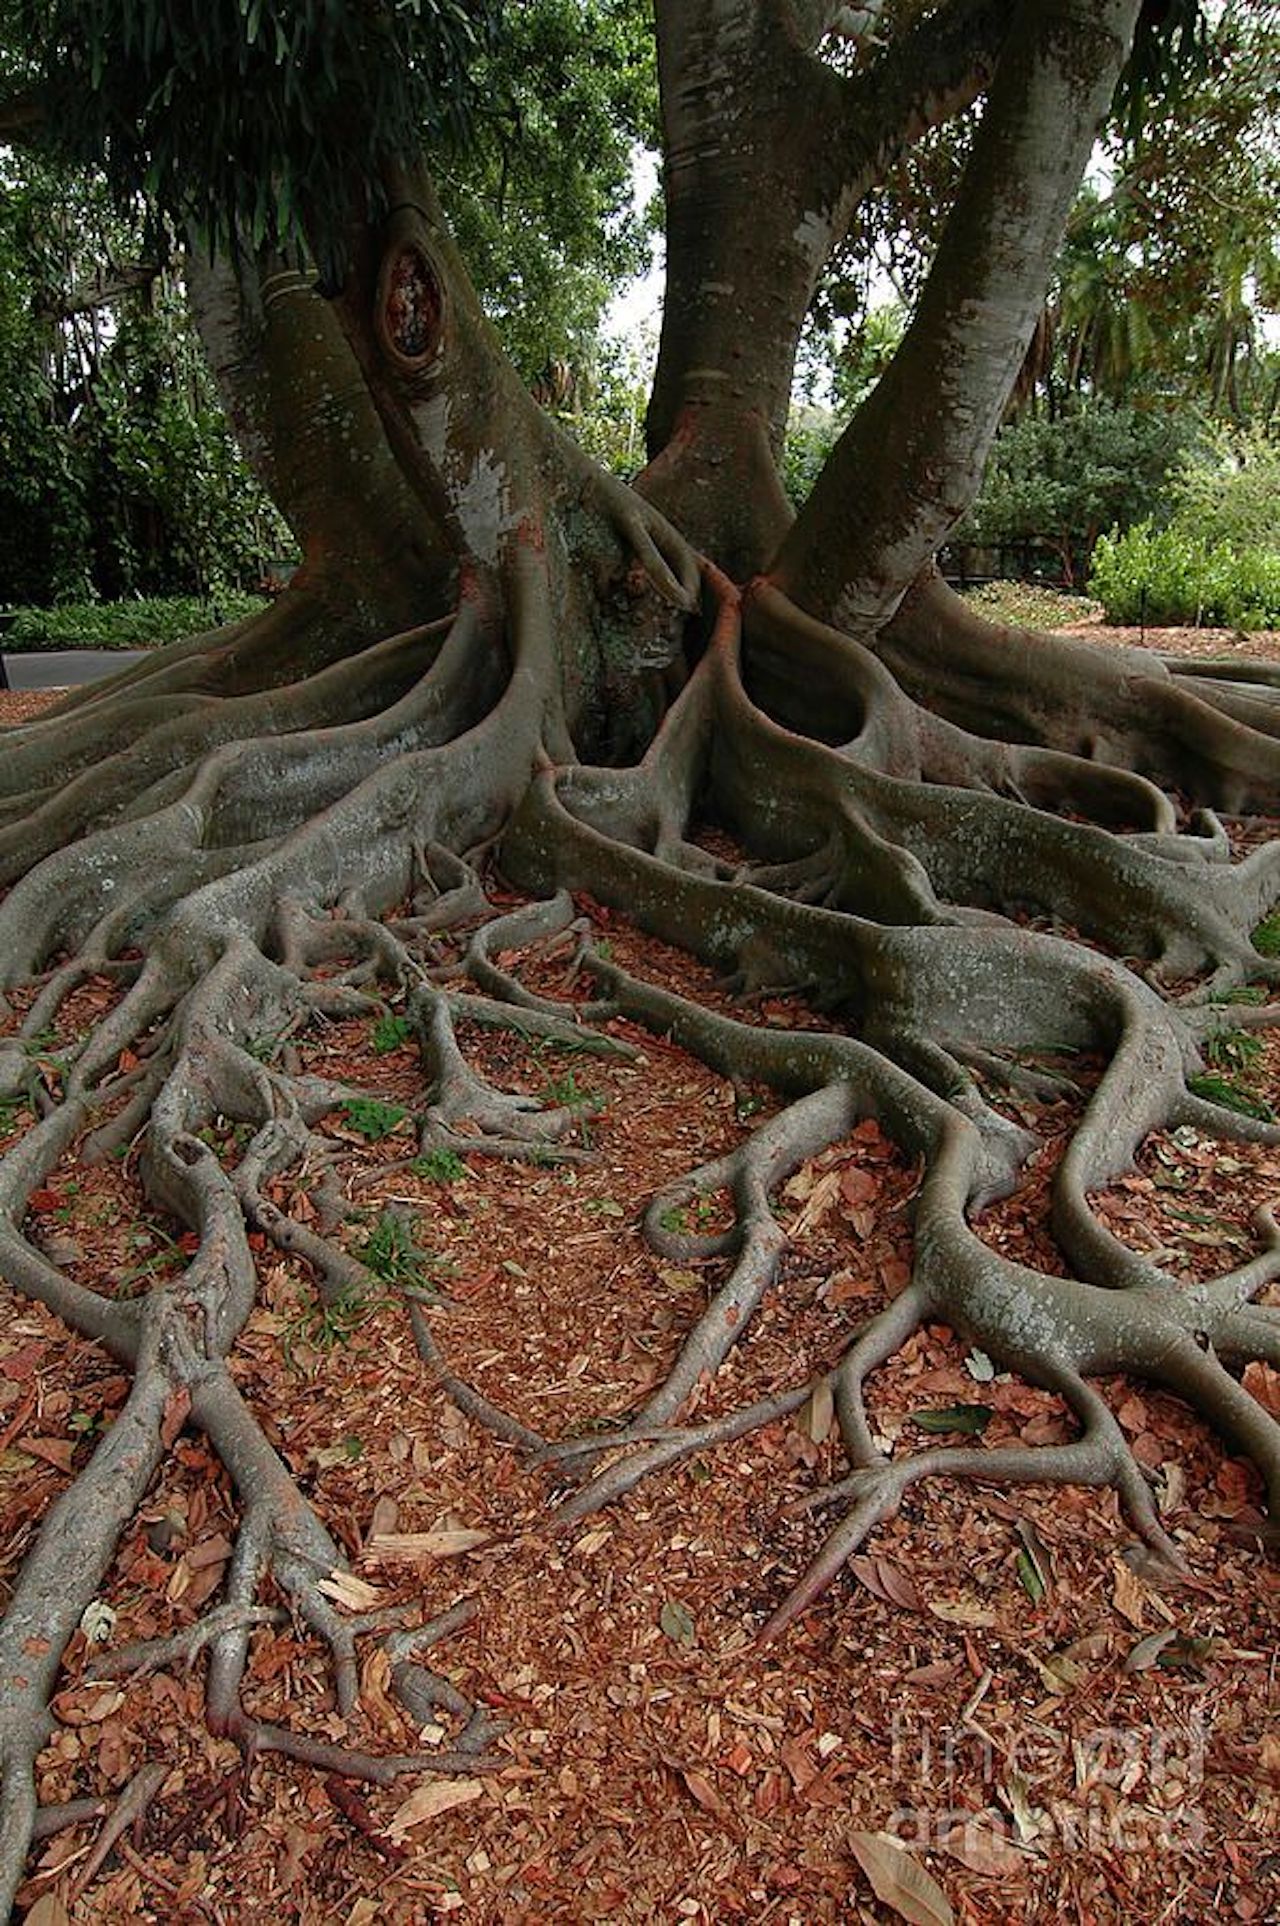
(911,461)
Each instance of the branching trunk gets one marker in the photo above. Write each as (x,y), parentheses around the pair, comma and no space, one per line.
(787,749)
(911,461)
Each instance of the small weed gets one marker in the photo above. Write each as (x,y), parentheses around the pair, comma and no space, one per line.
(566,1093)
(372,1118)
(390,1252)
(1266,937)
(440,1166)
(264,1049)
(157,1263)
(323,1327)
(1241,993)
(1234,1050)
(390,1033)
(1221,1090)
(677,1217)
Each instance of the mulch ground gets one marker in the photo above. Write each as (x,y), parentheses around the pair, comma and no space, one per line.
(1000,1680)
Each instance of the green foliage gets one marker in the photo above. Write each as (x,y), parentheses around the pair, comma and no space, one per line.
(1059,483)
(566,92)
(390,1033)
(391,1253)
(372,1118)
(811,435)
(1266,938)
(138,624)
(567,1093)
(440,1166)
(1168,577)
(254,121)
(118,473)
(1236,1051)
(1228,490)
(325,1323)
(1231,1096)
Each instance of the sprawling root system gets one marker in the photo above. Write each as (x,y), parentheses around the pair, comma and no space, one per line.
(961,846)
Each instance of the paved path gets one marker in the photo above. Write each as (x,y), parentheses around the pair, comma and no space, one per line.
(66,668)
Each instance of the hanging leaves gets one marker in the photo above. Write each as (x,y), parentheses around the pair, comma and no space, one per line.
(265,120)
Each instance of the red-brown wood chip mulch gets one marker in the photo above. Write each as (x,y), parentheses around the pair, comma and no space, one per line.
(1000,1680)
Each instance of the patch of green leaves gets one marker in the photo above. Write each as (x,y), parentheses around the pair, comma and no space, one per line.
(566,1093)
(440,1166)
(1237,1051)
(372,1118)
(391,1253)
(1266,937)
(390,1033)
(140,622)
(1218,1089)
(323,1325)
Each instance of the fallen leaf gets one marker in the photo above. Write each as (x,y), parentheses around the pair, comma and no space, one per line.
(887,1581)
(795,1757)
(900,1881)
(97,1621)
(971,1419)
(386,1513)
(57,1452)
(210,1551)
(23,1363)
(1031,1577)
(704,1792)
(819,1411)
(1129,1595)
(429,1801)
(983,1846)
(48,1911)
(962,1611)
(1263,1382)
(676,1621)
(1146,1652)
(177,1409)
(820,1201)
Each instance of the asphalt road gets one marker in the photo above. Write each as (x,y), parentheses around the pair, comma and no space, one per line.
(66,668)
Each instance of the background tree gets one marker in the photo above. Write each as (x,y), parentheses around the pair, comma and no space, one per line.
(120,475)
(492,645)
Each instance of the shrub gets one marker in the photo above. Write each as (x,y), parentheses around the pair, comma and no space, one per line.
(1230,490)
(1056,485)
(1170,578)
(134,624)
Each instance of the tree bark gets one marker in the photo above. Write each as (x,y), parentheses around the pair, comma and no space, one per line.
(911,460)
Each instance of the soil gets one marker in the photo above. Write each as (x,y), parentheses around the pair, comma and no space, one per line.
(1003,1682)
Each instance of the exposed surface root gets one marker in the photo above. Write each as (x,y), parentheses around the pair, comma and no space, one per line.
(253,868)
